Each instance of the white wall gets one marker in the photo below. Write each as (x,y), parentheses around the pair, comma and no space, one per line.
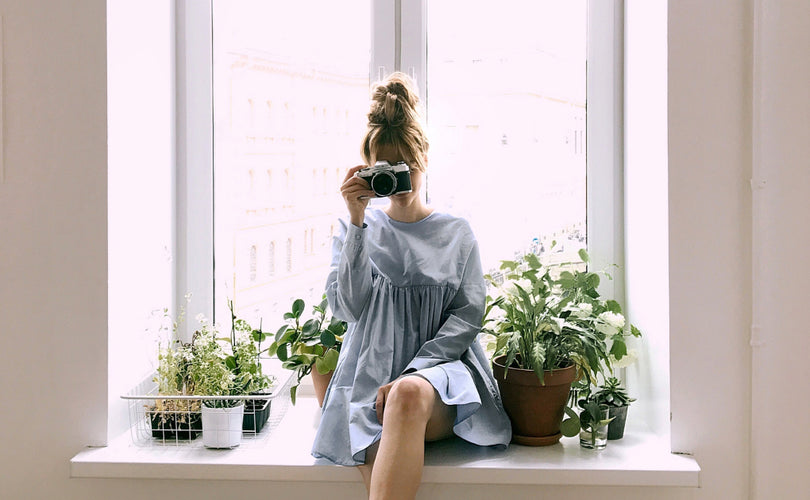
(53,243)
(781,148)
(709,46)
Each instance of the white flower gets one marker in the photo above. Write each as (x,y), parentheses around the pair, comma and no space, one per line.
(201,318)
(510,286)
(627,360)
(583,310)
(609,323)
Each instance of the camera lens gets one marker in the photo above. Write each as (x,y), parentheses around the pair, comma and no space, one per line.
(383,183)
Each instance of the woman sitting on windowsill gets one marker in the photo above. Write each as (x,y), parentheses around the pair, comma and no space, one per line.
(409,282)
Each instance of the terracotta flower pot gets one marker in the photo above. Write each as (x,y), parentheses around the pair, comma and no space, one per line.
(320,382)
(535,410)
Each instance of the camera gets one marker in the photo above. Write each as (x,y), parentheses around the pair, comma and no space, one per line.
(386,179)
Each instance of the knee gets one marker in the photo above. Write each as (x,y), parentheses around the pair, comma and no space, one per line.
(411,397)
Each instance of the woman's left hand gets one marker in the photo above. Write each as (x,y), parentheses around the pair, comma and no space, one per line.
(382,395)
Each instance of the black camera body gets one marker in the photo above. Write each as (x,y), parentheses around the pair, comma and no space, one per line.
(386,179)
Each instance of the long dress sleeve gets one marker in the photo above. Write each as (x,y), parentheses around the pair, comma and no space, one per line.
(462,321)
(348,286)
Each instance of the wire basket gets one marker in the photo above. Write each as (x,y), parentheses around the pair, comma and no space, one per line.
(157,420)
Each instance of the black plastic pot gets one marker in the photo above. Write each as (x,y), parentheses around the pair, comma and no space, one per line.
(616,426)
(256,413)
(172,426)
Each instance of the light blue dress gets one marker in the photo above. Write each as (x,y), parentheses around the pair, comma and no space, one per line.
(414,295)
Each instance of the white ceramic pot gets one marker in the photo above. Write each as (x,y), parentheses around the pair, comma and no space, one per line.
(222,427)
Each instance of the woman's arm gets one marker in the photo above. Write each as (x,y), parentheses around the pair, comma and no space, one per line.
(348,286)
(463,319)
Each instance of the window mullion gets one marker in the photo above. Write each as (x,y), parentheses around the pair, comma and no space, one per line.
(604,133)
(194,192)
(384,29)
(413,43)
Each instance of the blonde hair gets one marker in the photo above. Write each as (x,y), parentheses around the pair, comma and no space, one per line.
(395,120)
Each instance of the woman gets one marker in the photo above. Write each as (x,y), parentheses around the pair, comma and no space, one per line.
(408,280)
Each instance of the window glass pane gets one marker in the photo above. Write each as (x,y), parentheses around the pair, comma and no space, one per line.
(290,96)
(506,118)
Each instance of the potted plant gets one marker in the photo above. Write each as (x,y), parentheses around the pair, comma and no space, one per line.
(594,421)
(221,418)
(550,329)
(173,418)
(613,396)
(314,343)
(245,344)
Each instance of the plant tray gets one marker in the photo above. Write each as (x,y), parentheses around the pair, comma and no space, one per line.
(159,420)
(257,411)
(174,425)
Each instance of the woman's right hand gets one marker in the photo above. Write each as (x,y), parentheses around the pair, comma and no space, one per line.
(356,193)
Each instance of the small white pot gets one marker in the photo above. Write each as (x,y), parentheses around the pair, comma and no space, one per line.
(222,427)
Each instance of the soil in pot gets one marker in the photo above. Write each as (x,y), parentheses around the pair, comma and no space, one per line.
(536,410)
(172,420)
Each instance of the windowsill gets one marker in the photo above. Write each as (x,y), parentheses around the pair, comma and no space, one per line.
(640,459)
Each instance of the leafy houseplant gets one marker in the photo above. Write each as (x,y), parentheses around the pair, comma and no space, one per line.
(554,324)
(172,418)
(594,420)
(225,367)
(246,365)
(612,395)
(314,343)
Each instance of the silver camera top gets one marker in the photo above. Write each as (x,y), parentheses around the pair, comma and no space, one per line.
(399,166)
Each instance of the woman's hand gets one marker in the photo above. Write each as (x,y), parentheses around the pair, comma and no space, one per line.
(382,395)
(356,193)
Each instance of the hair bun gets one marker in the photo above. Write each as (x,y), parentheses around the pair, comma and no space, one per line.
(390,108)
(394,119)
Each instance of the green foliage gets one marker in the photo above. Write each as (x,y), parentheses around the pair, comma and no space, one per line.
(591,416)
(212,366)
(315,342)
(611,393)
(545,321)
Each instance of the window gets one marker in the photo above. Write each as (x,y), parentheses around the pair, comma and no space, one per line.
(262,55)
(505,102)
(505,112)
(297,141)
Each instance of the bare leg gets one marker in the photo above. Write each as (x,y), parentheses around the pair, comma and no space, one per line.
(413,413)
(366,470)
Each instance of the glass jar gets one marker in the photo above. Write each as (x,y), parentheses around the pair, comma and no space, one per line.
(595,436)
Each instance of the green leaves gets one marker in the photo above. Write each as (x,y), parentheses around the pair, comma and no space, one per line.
(533,261)
(328,338)
(315,343)
(619,348)
(297,308)
(328,362)
(570,426)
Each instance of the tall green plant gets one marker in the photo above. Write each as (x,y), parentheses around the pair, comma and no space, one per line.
(302,345)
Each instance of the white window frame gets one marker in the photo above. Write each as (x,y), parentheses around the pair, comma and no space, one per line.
(398,44)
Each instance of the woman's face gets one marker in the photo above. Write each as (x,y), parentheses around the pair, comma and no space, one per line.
(390,154)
